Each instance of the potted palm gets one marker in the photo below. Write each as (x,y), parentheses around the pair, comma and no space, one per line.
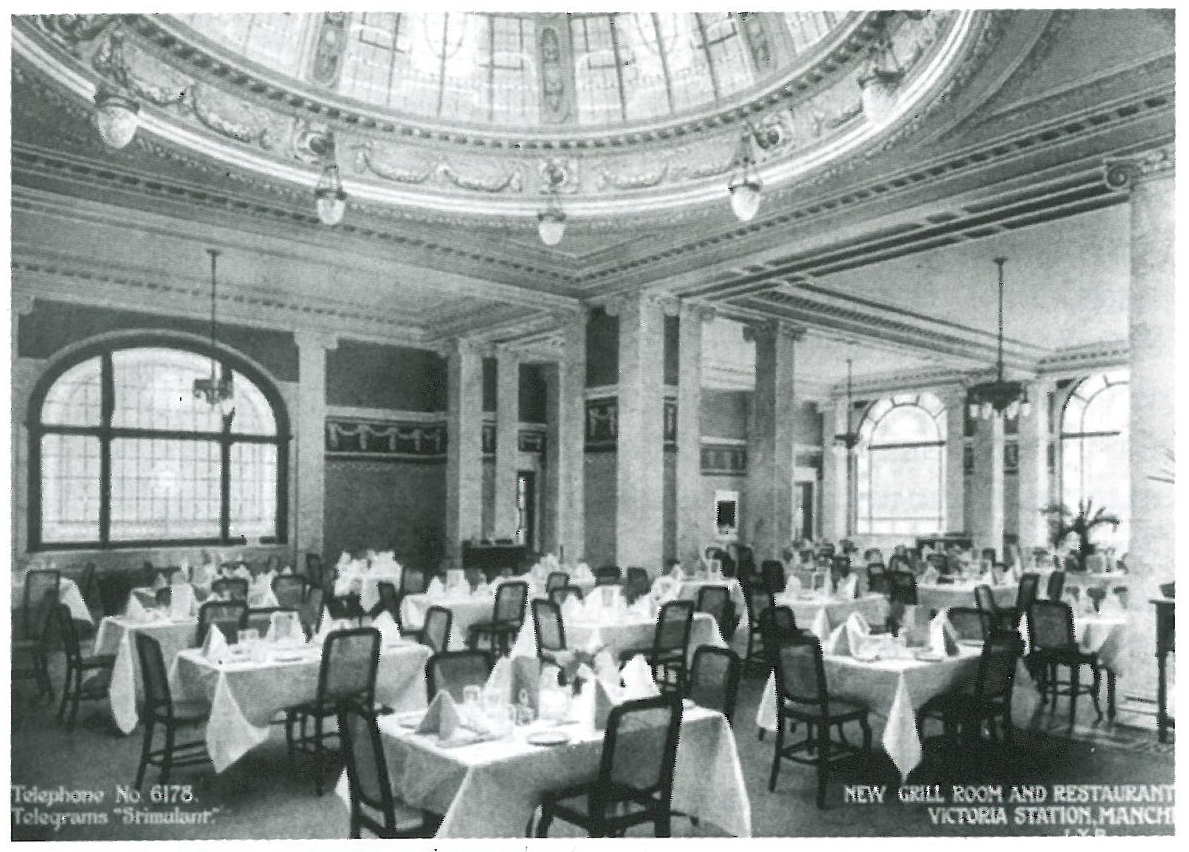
(1063,523)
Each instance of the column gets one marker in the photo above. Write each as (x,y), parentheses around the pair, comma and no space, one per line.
(507,441)
(565,446)
(770,441)
(692,531)
(640,439)
(834,473)
(312,347)
(986,497)
(464,447)
(954,400)
(1033,476)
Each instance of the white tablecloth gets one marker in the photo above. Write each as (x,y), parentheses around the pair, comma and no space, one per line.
(874,608)
(690,588)
(467,611)
(115,637)
(1105,635)
(893,690)
(68,593)
(619,636)
(944,595)
(245,697)
(369,591)
(491,789)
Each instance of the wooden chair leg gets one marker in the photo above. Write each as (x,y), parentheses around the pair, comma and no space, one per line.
(778,746)
(1110,693)
(1096,686)
(78,691)
(1073,694)
(823,765)
(65,693)
(318,755)
(167,758)
(145,749)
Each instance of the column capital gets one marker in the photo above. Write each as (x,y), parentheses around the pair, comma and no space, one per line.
(1126,172)
(507,352)
(699,311)
(310,338)
(771,328)
(461,346)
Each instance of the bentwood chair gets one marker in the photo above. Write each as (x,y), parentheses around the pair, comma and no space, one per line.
(368,784)
(1053,645)
(1026,593)
(549,629)
(413,581)
(453,671)
(904,587)
(877,579)
(772,576)
(228,616)
(607,575)
(802,695)
(971,623)
(87,677)
(989,697)
(716,600)
(314,570)
(160,708)
(506,619)
(389,602)
(746,568)
(350,659)
(260,618)
(714,679)
(670,640)
(289,590)
(230,588)
(984,600)
(640,735)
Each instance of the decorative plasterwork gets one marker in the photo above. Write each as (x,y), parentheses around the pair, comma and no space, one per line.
(1125,172)
(393,439)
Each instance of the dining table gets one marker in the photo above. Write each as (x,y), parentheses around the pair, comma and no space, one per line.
(245,693)
(805,605)
(468,608)
(68,593)
(618,631)
(493,787)
(935,597)
(115,636)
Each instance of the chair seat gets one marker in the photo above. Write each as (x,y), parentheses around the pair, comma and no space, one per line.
(97,661)
(97,685)
(837,710)
(313,708)
(1066,656)
(671,655)
(959,703)
(495,627)
(625,804)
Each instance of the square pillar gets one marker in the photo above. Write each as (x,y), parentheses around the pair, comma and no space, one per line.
(312,347)
(1033,476)
(835,489)
(464,447)
(692,532)
(564,532)
(986,497)
(507,441)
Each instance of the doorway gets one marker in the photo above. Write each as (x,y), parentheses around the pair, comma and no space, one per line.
(804,525)
(526,509)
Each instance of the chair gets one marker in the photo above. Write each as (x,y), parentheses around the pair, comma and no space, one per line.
(506,619)
(159,707)
(984,600)
(556,580)
(757,599)
(637,584)
(558,596)
(41,584)
(1055,586)
(289,590)
(990,696)
(1051,637)
(35,641)
(746,559)
(802,695)
(988,553)
(1026,593)
(777,624)
(621,795)
(311,610)
(877,579)
(413,582)
(772,576)
(904,587)
(716,600)
(971,623)
(670,641)
(314,570)
(229,616)
(549,629)
(389,602)
(231,588)
(714,679)
(367,778)
(260,618)
(98,666)
(455,670)
(435,632)
(350,659)
(608,575)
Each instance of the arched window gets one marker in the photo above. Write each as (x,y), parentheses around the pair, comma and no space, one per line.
(122,454)
(901,466)
(1094,449)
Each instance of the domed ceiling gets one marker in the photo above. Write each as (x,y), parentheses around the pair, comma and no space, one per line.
(470,114)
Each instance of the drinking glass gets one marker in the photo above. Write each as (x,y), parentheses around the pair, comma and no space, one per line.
(249,636)
(471,695)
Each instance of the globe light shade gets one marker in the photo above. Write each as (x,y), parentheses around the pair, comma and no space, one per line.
(1013,409)
(972,410)
(551,225)
(880,96)
(1026,408)
(988,411)
(331,204)
(745,198)
(116,119)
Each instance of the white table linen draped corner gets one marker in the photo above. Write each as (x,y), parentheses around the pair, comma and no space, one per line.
(68,593)
(126,688)
(938,596)
(467,611)
(618,635)
(245,696)
(873,607)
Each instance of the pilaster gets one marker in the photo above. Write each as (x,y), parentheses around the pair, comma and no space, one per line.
(692,529)
(507,440)
(312,347)
(464,446)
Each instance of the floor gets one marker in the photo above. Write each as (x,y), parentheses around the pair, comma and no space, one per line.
(262,796)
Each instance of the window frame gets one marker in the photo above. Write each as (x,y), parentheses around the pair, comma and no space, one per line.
(868,427)
(1065,438)
(106,434)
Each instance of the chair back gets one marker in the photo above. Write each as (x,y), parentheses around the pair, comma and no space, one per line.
(877,578)
(289,590)
(231,588)
(350,659)
(772,576)
(716,600)
(984,599)
(556,580)
(454,670)
(228,616)
(41,595)
(777,624)
(260,618)
(745,557)
(758,599)
(547,624)
(800,670)
(311,610)
(639,750)
(938,561)
(637,584)
(413,581)
(389,599)
(558,596)
(153,675)
(1050,625)
(367,768)
(997,664)
(673,626)
(840,565)
(314,569)
(1055,586)
(88,587)
(714,679)
(68,633)
(435,633)
(510,599)
(1027,591)
(970,622)
(988,553)
(904,587)
(608,575)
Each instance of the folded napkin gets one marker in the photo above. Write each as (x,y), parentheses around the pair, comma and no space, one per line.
(942,637)
(930,576)
(1112,607)
(265,598)
(159,582)
(215,645)
(604,700)
(857,629)
(441,718)
(499,682)
(135,612)
(202,575)
(846,588)
(571,610)
(526,642)
(436,589)
(389,631)
(677,573)
(181,601)
(582,572)
(243,573)
(665,588)
(344,560)
(286,571)
(821,627)
(792,583)
(283,627)
(637,679)
(550,563)
(839,644)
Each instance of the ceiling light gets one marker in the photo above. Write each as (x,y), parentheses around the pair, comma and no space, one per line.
(217,388)
(849,438)
(998,397)
(745,187)
(551,222)
(330,199)
(117,115)
(880,82)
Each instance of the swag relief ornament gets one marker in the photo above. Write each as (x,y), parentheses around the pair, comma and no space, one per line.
(397,440)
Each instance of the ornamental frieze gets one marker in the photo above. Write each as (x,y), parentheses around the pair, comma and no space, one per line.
(398,440)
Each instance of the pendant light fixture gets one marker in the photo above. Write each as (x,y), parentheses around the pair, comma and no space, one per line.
(998,397)
(745,186)
(117,114)
(849,438)
(551,222)
(217,388)
(330,200)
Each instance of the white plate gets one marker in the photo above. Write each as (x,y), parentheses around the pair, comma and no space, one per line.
(548,738)
(929,656)
(291,658)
